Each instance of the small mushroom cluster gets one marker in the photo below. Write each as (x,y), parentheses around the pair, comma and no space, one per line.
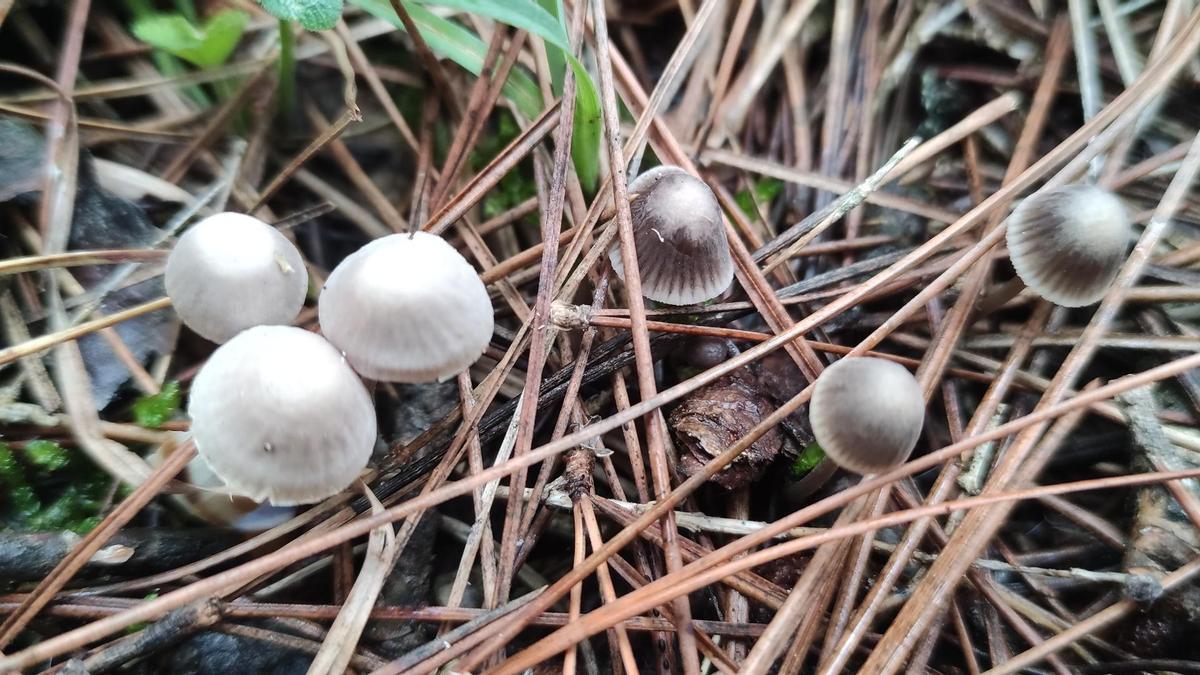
(1067,244)
(280,414)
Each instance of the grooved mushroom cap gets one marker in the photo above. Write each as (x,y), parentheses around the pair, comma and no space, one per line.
(407,309)
(231,271)
(1067,244)
(279,416)
(682,253)
(867,414)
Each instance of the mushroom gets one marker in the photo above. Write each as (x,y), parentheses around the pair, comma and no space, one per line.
(214,504)
(231,271)
(407,308)
(279,416)
(211,501)
(867,413)
(705,351)
(1067,244)
(682,253)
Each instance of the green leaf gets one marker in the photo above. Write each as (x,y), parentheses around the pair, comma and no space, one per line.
(140,626)
(554,57)
(524,14)
(585,141)
(46,455)
(808,460)
(537,19)
(452,41)
(154,410)
(460,45)
(312,14)
(206,46)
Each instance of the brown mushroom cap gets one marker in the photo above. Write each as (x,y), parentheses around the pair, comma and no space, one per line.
(231,271)
(279,416)
(867,413)
(683,255)
(407,308)
(1068,244)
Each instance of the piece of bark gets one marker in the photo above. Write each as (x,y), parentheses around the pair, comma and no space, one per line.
(1163,539)
(713,418)
(408,585)
(215,653)
(780,380)
(30,556)
(158,636)
(99,220)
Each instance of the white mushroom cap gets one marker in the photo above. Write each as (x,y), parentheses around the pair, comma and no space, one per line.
(682,253)
(211,501)
(214,504)
(407,308)
(279,416)
(231,271)
(867,414)
(210,505)
(1068,244)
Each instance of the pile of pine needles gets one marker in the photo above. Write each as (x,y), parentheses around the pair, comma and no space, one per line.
(866,155)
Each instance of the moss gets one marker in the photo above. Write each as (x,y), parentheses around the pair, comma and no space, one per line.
(942,101)
(516,186)
(46,455)
(155,410)
(46,489)
(20,502)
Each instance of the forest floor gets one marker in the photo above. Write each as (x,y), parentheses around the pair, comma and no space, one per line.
(617,485)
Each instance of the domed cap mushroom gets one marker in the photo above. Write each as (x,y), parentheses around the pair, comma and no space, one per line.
(279,416)
(212,502)
(1067,244)
(682,253)
(231,271)
(407,308)
(867,413)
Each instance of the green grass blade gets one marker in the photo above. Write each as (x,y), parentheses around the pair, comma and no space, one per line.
(460,45)
(585,141)
(524,14)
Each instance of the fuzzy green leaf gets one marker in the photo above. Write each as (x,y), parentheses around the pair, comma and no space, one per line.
(206,46)
(312,14)
(153,411)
